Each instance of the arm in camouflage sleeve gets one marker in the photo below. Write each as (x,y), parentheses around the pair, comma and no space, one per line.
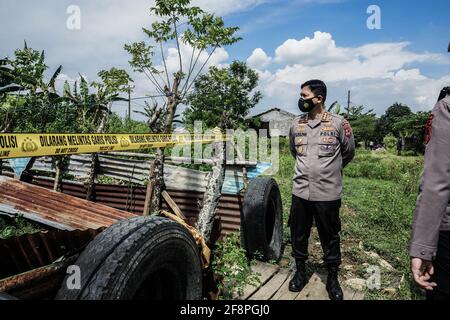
(435,186)
(347,141)
(292,143)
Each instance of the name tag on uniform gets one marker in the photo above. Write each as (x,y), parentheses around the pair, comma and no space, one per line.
(329,140)
(328,134)
(328,128)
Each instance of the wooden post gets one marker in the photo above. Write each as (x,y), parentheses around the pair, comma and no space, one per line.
(149,191)
(158,181)
(92,176)
(244,167)
(212,194)
(348,104)
(60,166)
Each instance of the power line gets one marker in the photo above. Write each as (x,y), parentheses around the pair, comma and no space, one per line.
(149,97)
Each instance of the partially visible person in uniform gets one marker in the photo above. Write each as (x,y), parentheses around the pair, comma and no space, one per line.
(429,247)
(322,144)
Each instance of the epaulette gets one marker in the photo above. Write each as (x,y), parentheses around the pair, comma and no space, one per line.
(303,119)
(326,117)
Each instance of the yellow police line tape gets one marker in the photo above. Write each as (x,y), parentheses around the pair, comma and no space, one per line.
(20,145)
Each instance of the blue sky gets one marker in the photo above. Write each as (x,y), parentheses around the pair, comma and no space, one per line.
(288,42)
(402,20)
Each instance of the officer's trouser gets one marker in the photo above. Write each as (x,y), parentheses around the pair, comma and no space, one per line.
(328,223)
(441,269)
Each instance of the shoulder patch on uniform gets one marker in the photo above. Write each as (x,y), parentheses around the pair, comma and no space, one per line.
(428,129)
(336,116)
(347,128)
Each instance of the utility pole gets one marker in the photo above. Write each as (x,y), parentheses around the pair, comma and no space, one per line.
(348,104)
(129,103)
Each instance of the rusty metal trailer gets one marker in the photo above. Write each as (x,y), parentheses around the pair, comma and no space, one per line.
(122,255)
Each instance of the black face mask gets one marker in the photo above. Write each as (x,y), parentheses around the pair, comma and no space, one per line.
(306,105)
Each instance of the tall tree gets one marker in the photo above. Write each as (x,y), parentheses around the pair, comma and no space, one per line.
(363,123)
(28,102)
(411,129)
(387,121)
(229,90)
(178,23)
(93,109)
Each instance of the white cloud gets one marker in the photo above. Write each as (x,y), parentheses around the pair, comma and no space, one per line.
(378,74)
(219,56)
(412,74)
(106,25)
(307,51)
(259,59)
(221,7)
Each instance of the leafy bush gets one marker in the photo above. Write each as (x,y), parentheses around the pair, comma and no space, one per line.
(373,165)
(390,142)
(16,227)
(231,266)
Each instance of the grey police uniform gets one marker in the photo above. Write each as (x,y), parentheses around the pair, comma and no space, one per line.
(321,147)
(431,225)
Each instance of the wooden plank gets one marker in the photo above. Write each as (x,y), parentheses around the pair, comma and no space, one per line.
(358,296)
(283,293)
(172,205)
(315,288)
(272,286)
(266,271)
(348,293)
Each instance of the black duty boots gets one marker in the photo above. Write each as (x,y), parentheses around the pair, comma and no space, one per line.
(298,282)
(333,288)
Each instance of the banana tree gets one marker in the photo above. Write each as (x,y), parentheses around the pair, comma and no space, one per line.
(93,108)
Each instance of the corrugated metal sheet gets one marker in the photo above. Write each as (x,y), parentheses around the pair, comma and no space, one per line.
(32,251)
(131,199)
(136,171)
(42,283)
(54,209)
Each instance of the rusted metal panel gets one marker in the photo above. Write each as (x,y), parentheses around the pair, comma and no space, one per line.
(41,283)
(135,171)
(131,199)
(31,251)
(55,209)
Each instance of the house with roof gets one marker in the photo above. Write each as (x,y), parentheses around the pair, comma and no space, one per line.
(276,121)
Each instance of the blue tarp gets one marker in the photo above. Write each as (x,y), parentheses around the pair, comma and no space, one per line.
(18,165)
(233,184)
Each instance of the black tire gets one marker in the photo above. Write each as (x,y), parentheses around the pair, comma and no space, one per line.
(143,258)
(262,220)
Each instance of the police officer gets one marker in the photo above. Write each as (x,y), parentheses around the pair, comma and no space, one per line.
(322,144)
(429,247)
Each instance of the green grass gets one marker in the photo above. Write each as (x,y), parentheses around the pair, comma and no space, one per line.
(380,191)
(378,202)
(284,179)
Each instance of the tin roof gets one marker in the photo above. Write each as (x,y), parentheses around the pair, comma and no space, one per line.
(54,209)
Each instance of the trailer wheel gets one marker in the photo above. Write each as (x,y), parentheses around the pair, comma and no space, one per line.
(262,220)
(143,258)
